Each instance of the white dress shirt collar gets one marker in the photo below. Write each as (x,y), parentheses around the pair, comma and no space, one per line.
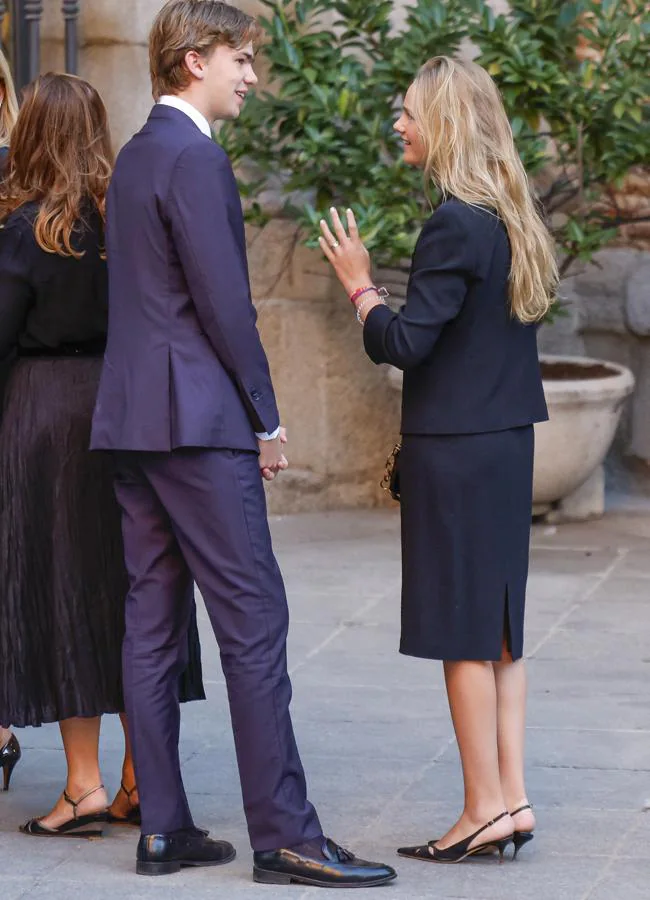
(198,118)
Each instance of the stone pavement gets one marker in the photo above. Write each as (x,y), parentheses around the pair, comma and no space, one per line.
(376,739)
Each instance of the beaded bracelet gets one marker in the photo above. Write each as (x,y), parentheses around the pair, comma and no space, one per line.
(362,290)
(382,296)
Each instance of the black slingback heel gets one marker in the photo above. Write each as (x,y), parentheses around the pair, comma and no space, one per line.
(459,851)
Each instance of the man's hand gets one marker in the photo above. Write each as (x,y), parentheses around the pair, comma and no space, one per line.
(272,459)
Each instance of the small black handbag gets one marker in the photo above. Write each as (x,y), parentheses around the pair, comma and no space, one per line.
(390,481)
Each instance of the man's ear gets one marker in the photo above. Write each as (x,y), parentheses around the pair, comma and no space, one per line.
(195,64)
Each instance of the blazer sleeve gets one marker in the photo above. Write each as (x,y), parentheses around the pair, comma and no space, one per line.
(207,224)
(16,294)
(443,265)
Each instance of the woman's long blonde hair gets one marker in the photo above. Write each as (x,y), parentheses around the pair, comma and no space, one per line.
(60,157)
(9,110)
(471,155)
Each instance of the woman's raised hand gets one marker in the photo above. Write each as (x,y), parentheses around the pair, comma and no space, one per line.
(346,252)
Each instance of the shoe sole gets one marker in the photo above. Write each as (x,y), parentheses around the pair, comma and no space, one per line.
(116,820)
(88,835)
(175,865)
(264,876)
(75,828)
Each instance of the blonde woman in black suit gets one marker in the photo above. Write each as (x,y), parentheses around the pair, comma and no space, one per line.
(483,274)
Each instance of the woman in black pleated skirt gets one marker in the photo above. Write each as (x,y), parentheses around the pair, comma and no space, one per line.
(63,577)
(483,274)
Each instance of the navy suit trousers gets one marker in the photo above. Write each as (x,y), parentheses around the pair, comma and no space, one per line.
(201,514)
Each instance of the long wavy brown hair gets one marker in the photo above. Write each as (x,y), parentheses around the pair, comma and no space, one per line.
(60,157)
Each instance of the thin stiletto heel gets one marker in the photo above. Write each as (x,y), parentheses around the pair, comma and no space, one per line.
(9,756)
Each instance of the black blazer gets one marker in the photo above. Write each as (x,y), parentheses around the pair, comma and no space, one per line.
(469,366)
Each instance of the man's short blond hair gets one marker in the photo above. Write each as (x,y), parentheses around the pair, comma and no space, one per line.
(201,25)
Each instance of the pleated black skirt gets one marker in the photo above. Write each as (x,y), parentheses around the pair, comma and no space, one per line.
(466,503)
(62,577)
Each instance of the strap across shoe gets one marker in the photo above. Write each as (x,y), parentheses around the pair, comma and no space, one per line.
(76,827)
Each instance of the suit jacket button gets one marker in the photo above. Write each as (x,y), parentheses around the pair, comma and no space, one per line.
(255,395)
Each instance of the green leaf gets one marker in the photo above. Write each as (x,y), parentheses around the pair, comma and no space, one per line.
(575,232)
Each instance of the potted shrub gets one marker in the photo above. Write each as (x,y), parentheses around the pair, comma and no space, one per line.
(575,84)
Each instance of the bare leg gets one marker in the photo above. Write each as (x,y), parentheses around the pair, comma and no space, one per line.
(123,802)
(510,678)
(5,736)
(471,691)
(81,745)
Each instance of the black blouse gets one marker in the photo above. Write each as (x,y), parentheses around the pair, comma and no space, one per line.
(47,301)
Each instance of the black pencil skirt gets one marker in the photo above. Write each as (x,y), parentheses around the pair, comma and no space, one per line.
(466,510)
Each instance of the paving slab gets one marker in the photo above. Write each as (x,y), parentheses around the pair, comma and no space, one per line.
(375,735)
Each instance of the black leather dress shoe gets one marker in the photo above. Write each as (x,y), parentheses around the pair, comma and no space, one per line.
(338,868)
(163,854)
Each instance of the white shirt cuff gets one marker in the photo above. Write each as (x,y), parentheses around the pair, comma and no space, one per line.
(265,436)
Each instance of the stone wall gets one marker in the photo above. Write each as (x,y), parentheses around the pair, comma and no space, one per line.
(340,411)
(633,200)
(113,55)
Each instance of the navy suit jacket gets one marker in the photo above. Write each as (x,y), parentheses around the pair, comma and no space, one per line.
(469,365)
(184,364)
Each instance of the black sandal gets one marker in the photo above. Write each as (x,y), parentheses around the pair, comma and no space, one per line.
(459,851)
(521,837)
(133,817)
(75,827)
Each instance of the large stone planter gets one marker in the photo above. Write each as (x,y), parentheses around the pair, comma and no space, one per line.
(585,398)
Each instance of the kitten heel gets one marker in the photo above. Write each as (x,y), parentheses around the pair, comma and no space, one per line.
(520,838)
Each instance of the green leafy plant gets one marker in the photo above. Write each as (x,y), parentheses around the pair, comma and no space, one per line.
(581,119)
(322,135)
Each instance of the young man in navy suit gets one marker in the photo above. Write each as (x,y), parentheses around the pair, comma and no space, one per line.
(187,406)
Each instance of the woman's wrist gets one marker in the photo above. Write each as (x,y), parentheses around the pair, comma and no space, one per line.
(363,293)
(358,284)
